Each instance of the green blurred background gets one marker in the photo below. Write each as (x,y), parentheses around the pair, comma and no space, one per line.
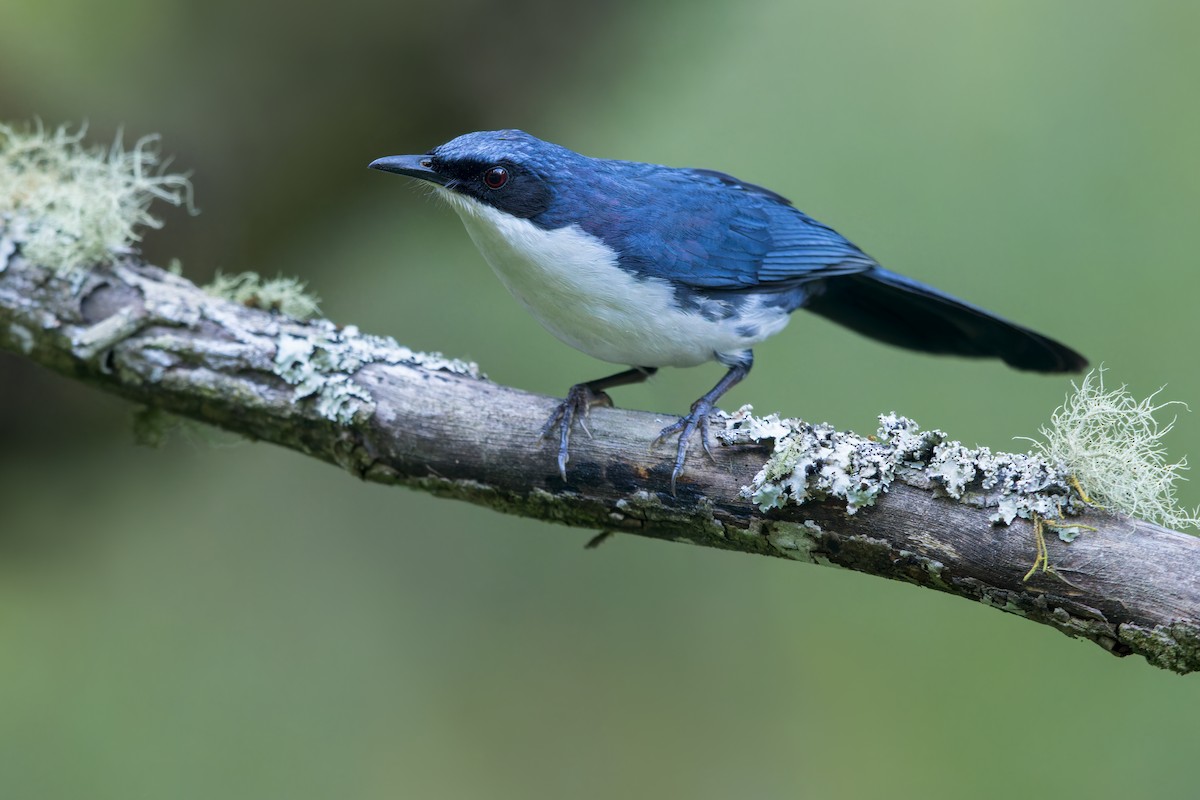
(241,622)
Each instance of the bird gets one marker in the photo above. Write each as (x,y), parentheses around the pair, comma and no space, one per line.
(652,266)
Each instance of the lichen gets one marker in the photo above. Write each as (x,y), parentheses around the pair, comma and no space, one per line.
(283,295)
(1111,442)
(320,359)
(8,246)
(814,462)
(22,336)
(66,205)
(1175,647)
(693,525)
(797,541)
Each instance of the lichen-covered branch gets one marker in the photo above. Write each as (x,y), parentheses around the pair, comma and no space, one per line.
(388,414)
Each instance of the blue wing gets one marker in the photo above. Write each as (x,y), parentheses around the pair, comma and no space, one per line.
(714,232)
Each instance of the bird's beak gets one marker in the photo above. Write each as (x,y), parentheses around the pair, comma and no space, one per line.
(412,166)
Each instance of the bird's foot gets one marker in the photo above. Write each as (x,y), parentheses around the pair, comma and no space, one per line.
(576,406)
(697,419)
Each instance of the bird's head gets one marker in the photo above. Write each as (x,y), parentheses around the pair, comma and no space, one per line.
(508,170)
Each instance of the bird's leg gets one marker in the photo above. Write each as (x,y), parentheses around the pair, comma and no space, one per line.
(580,398)
(701,409)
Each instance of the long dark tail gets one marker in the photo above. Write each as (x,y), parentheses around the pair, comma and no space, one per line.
(900,311)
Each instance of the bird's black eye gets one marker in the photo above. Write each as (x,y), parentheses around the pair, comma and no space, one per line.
(495,177)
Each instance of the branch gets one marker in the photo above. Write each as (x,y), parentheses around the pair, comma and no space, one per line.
(389,415)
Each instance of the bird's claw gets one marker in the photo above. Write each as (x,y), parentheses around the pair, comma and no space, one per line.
(697,419)
(576,406)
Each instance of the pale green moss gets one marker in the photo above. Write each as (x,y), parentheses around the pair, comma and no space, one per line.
(65,205)
(288,296)
(1111,442)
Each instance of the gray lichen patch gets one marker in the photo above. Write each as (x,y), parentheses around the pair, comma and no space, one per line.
(648,511)
(320,359)
(1175,647)
(22,336)
(815,462)
(8,247)
(797,541)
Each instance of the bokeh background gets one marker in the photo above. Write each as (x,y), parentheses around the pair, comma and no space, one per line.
(214,619)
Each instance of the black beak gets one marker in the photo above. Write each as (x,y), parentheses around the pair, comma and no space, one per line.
(413,166)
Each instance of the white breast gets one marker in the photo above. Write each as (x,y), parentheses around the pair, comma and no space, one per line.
(570,282)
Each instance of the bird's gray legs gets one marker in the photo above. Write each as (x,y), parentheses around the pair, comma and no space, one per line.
(697,418)
(580,398)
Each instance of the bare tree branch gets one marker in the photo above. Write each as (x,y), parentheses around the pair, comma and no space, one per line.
(389,415)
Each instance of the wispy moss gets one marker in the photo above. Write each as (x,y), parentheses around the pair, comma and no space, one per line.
(289,296)
(66,205)
(1113,444)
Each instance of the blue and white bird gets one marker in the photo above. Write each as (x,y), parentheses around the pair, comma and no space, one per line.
(653,266)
